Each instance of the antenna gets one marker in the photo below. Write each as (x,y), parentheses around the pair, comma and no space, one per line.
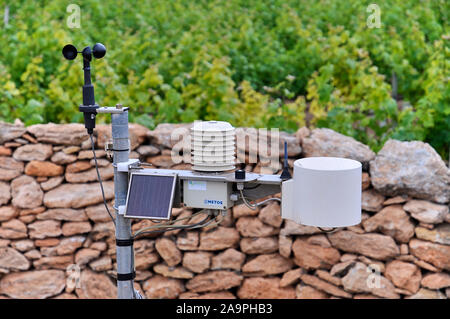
(285,175)
(89,107)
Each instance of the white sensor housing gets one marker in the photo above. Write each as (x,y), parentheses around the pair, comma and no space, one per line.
(325,192)
(213,146)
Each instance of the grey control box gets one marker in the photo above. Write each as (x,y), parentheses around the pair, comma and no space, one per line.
(207,194)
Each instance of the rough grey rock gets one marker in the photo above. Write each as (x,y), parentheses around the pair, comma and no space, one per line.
(412,168)
(326,142)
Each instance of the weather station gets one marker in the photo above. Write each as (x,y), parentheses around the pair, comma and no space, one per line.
(324,191)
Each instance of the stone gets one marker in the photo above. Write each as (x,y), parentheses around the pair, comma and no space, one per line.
(404,275)
(96,286)
(264,265)
(325,275)
(412,168)
(13,260)
(98,213)
(101,264)
(320,240)
(285,246)
(10,168)
(38,168)
(427,294)
(102,230)
(161,161)
(292,228)
(214,281)
(404,250)
(371,200)
(159,287)
(75,228)
(198,261)
(61,158)
(173,272)
(77,167)
(5,193)
(229,259)
(219,238)
(162,134)
(55,262)
(399,199)
(360,279)
(440,235)
(66,296)
(313,256)
(307,292)
(291,277)
(13,229)
(265,288)
(69,245)
(26,193)
(8,213)
(88,155)
(365,181)
(435,254)
(188,240)
(324,286)
(23,245)
(167,249)
(52,183)
(271,215)
(148,150)
(377,246)
(436,280)
(392,221)
(33,254)
(242,210)
(44,229)
(59,134)
(143,260)
(254,227)
(101,162)
(106,173)
(426,212)
(214,295)
(5,151)
(259,245)
(74,149)
(78,195)
(31,152)
(100,246)
(47,242)
(10,131)
(326,142)
(86,255)
(65,214)
(33,284)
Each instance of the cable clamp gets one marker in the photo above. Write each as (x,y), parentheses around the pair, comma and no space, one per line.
(124,242)
(126,277)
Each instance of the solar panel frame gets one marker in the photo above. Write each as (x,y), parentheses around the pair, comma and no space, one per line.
(172,193)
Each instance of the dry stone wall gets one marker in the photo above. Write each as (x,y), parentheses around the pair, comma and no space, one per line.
(52,218)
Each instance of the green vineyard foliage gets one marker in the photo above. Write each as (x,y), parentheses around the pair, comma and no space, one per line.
(259,63)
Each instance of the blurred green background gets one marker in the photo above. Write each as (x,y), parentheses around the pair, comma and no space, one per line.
(260,63)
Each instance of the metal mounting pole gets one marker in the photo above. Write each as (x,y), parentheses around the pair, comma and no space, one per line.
(124,251)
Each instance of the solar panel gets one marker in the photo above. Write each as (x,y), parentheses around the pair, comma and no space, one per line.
(150,196)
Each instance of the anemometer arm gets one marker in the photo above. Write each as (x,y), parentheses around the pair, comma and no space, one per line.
(89,107)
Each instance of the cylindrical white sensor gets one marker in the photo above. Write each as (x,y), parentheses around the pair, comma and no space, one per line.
(326,192)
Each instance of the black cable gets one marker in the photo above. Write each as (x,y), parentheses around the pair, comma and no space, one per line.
(100,180)
(249,188)
(174,228)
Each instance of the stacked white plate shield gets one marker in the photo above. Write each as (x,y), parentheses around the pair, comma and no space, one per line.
(213,146)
